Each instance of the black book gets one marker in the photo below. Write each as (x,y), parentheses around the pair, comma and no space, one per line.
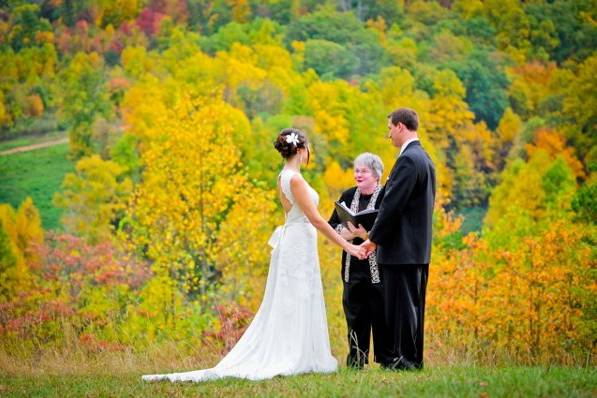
(366,217)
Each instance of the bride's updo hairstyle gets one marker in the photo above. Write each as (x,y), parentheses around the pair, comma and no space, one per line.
(289,141)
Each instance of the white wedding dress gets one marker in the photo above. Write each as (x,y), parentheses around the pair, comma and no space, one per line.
(289,334)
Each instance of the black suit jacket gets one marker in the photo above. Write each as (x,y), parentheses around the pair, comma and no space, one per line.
(402,229)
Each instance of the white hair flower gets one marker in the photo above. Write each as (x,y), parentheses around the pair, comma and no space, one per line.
(292,138)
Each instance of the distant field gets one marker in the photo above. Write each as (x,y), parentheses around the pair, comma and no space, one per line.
(38,174)
(31,139)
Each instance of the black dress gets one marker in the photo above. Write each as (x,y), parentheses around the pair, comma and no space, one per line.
(362,297)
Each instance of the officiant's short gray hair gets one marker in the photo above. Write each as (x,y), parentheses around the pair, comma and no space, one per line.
(371,161)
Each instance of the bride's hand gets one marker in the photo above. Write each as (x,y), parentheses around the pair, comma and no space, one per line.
(357,251)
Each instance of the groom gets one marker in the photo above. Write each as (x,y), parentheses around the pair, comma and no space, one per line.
(402,236)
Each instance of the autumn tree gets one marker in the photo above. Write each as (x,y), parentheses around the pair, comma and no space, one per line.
(93,198)
(182,215)
(83,97)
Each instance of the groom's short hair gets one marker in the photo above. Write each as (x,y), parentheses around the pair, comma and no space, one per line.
(406,116)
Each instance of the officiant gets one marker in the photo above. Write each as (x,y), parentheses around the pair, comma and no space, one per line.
(362,296)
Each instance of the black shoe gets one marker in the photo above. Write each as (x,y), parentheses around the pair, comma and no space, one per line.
(400,363)
(386,365)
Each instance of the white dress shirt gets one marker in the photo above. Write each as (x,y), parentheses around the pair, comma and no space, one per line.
(403,147)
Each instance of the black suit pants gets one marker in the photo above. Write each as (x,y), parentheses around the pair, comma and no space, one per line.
(364,310)
(404,296)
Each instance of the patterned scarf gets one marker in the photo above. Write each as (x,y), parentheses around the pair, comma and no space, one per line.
(354,207)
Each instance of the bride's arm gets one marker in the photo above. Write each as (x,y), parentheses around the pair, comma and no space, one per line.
(301,193)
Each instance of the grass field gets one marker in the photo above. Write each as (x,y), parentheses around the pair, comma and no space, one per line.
(38,174)
(433,382)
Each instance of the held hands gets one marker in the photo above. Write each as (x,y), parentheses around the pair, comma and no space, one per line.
(368,246)
(357,251)
(361,252)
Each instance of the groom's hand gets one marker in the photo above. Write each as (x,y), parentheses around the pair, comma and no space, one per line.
(369,247)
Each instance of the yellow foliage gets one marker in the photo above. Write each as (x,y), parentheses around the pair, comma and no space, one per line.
(240,67)
(5,118)
(468,8)
(13,258)
(330,102)
(510,126)
(482,142)
(23,232)
(188,209)
(396,87)
(135,61)
(520,192)
(337,180)
(241,251)
(28,229)
(333,127)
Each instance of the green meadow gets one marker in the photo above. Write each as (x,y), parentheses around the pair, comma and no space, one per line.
(39,174)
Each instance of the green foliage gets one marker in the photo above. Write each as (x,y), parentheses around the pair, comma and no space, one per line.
(485,87)
(480,30)
(563,29)
(578,110)
(259,31)
(264,100)
(25,25)
(584,203)
(329,60)
(559,184)
(125,154)
(93,198)
(344,30)
(83,97)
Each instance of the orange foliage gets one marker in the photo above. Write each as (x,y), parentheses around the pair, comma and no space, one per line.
(531,304)
(554,144)
(35,106)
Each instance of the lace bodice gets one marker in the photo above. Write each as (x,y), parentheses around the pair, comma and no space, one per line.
(295,214)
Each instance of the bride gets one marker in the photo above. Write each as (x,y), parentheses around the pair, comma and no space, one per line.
(289,333)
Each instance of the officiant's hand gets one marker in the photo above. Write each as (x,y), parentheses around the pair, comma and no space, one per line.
(360,232)
(369,247)
(346,234)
